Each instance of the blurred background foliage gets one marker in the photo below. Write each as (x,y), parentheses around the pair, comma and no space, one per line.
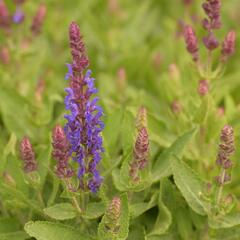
(138,57)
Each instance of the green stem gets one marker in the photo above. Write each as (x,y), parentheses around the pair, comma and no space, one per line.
(219,194)
(209,64)
(75,203)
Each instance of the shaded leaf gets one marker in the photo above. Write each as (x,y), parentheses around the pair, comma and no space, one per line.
(190,185)
(43,230)
(61,211)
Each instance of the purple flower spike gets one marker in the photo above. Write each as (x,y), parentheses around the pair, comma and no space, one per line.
(18,16)
(84,126)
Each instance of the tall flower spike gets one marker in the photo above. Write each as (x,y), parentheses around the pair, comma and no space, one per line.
(84,125)
(38,19)
(61,153)
(27,155)
(191,42)
(228,46)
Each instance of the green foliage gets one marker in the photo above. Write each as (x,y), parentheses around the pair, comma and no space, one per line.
(61,211)
(43,230)
(138,57)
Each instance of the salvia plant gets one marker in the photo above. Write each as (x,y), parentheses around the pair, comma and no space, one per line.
(119,120)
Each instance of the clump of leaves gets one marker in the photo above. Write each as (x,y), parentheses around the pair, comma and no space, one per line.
(148,150)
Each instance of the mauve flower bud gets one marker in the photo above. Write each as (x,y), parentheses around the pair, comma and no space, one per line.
(220,181)
(191,42)
(113,214)
(210,42)
(212,9)
(140,154)
(228,46)
(27,155)
(38,19)
(61,153)
(141,119)
(121,79)
(5,55)
(79,56)
(203,87)
(221,111)
(5,17)
(226,147)
(176,107)
(206,24)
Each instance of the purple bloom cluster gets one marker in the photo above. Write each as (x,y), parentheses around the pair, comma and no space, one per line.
(18,16)
(84,125)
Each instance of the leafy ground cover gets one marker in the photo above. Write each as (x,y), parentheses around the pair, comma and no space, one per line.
(119,120)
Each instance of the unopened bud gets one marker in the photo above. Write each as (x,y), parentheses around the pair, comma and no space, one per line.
(203,87)
(38,19)
(113,214)
(228,46)
(141,120)
(121,79)
(176,107)
(28,156)
(191,42)
(210,42)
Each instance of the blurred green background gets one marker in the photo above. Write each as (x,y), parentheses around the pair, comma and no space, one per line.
(138,57)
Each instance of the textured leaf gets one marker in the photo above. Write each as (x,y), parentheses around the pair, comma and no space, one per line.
(94,210)
(190,185)
(162,167)
(42,230)
(61,211)
(164,218)
(227,221)
(8,225)
(20,235)
(138,209)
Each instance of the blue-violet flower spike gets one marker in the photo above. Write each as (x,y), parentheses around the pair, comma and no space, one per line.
(84,126)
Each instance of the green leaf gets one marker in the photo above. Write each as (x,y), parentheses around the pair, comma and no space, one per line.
(227,221)
(43,230)
(94,210)
(190,185)
(8,225)
(122,232)
(164,218)
(138,209)
(162,167)
(19,235)
(61,211)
